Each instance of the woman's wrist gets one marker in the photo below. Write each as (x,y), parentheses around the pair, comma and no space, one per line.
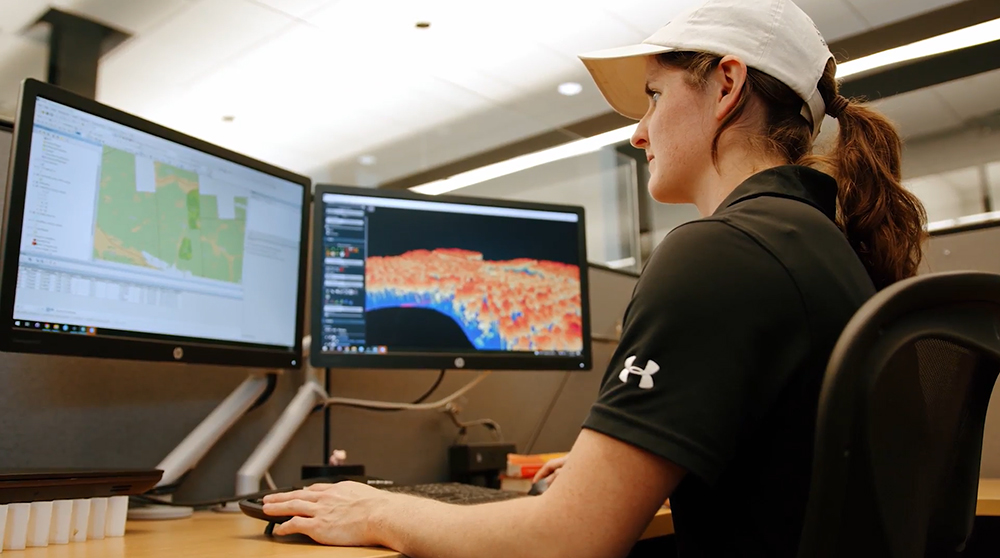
(379,514)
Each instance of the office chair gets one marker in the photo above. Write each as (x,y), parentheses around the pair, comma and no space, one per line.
(899,431)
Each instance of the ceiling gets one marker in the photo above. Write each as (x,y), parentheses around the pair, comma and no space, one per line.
(312,85)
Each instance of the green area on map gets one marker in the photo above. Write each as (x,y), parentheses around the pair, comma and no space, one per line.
(173,227)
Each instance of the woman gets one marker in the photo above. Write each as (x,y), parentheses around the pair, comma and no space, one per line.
(711,397)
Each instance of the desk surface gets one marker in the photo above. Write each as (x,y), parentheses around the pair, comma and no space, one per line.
(210,534)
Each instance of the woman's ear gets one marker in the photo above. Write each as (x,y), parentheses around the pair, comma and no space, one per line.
(728,79)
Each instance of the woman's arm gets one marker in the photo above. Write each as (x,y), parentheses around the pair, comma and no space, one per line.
(606,496)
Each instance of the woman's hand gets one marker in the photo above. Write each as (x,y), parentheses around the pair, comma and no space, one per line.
(550,470)
(334,514)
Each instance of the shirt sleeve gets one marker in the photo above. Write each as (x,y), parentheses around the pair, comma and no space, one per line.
(714,330)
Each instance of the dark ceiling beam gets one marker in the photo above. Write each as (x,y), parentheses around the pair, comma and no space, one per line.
(76,45)
(926,72)
(923,26)
(885,83)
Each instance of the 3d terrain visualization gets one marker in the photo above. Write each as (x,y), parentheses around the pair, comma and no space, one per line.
(513,305)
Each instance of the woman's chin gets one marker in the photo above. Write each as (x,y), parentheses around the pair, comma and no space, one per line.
(664,193)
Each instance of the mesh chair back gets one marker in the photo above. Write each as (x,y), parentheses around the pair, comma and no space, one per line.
(900,426)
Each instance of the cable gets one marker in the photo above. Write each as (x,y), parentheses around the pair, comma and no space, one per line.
(548,411)
(326,421)
(417,401)
(385,405)
(491,424)
(272,382)
(428,393)
(269,480)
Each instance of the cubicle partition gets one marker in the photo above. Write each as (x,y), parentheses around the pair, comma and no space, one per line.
(64,411)
(976,248)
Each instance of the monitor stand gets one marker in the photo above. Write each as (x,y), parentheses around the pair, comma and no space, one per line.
(189,452)
(310,395)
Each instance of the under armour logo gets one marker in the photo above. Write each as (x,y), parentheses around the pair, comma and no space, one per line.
(646,374)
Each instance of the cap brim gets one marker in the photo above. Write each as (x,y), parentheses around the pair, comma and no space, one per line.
(620,74)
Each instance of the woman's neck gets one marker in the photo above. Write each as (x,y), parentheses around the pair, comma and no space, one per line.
(733,168)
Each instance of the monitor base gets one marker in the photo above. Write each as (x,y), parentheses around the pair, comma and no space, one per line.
(157,512)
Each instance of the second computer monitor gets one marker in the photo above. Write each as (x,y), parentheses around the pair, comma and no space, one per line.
(402,280)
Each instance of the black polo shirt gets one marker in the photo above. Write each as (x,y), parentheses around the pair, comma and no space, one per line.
(722,356)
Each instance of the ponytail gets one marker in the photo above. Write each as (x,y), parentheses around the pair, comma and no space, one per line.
(883,221)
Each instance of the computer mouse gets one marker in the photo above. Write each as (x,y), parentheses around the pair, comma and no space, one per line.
(539,487)
(254,507)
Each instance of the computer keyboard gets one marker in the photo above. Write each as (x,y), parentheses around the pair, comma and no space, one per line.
(456,493)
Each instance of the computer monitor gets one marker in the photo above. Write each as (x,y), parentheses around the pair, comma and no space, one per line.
(125,239)
(402,280)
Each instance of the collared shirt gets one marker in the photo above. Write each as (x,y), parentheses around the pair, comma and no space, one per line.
(722,356)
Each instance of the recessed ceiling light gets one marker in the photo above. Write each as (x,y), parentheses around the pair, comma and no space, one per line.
(570,88)
(367,160)
(228,118)
(423,24)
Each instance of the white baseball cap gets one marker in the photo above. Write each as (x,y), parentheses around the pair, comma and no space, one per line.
(773,36)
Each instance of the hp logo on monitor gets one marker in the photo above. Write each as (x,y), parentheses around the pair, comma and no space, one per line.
(459,362)
(178,353)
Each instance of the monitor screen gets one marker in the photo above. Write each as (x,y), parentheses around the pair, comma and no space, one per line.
(118,230)
(408,281)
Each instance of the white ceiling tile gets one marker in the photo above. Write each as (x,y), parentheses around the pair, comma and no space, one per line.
(132,16)
(158,65)
(16,15)
(20,58)
(646,16)
(835,19)
(296,8)
(918,113)
(973,96)
(883,12)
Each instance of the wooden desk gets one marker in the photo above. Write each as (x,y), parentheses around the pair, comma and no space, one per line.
(989,497)
(212,534)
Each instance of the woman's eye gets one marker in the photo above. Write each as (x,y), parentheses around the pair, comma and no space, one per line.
(655,96)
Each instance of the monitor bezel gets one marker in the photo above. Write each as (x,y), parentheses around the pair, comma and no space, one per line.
(144,346)
(470,361)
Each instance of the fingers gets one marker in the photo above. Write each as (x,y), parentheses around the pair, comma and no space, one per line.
(553,476)
(291,507)
(302,525)
(545,471)
(548,468)
(303,494)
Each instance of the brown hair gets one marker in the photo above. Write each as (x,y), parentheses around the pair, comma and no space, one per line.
(883,221)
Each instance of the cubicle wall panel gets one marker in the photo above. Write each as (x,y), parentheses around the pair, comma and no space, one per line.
(974,249)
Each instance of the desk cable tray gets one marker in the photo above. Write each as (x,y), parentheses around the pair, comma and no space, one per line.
(43,507)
